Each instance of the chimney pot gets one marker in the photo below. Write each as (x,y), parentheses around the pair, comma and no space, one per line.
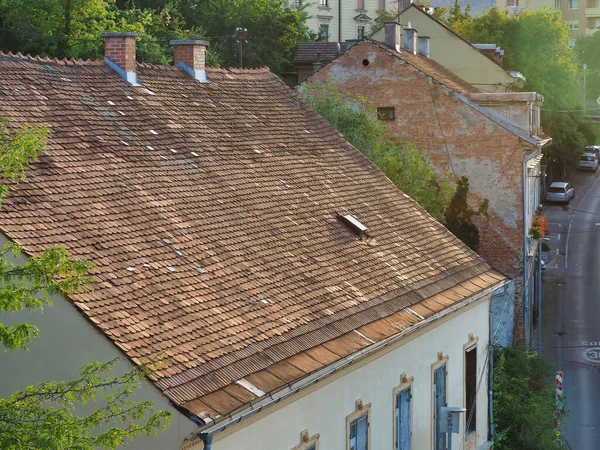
(392,35)
(119,54)
(190,56)
(424,46)
(410,40)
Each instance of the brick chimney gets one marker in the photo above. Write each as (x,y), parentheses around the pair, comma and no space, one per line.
(393,35)
(119,54)
(190,56)
(410,40)
(424,46)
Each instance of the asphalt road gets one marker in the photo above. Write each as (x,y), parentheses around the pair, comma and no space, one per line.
(570,314)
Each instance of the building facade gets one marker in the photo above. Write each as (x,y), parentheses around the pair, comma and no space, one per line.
(291,292)
(342,20)
(451,50)
(495,140)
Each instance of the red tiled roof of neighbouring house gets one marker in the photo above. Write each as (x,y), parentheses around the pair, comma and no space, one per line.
(210,212)
(312,52)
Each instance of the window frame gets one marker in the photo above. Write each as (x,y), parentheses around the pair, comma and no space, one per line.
(359,411)
(324,26)
(381,5)
(471,345)
(324,4)
(405,383)
(360,3)
(358,32)
(306,441)
(442,360)
(573,5)
(381,109)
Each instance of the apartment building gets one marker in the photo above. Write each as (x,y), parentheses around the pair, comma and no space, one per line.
(341,20)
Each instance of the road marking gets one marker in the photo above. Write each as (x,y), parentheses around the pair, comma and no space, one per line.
(559,237)
(556,252)
(592,354)
(567,249)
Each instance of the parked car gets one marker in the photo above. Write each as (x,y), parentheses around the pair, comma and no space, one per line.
(560,192)
(588,161)
(595,149)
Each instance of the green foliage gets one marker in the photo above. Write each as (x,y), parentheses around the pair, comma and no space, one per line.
(274,30)
(458,216)
(402,163)
(524,402)
(381,19)
(587,49)
(45,416)
(536,44)
(71,28)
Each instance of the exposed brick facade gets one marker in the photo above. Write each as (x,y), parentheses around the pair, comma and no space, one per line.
(456,137)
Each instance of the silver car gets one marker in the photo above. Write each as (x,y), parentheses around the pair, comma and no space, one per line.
(588,161)
(560,192)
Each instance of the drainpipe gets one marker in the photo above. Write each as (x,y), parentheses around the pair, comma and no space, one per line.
(340,21)
(206,440)
(526,318)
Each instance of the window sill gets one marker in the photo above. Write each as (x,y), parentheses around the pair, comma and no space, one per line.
(326,8)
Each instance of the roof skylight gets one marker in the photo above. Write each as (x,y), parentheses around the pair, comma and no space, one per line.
(353,223)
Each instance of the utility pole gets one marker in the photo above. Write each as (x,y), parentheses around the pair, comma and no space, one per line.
(240,39)
(584,99)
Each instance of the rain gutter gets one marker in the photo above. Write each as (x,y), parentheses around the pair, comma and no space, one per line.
(292,388)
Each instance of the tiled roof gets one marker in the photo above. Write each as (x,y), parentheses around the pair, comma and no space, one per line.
(210,212)
(307,52)
(429,67)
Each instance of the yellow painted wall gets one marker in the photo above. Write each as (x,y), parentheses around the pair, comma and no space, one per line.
(455,54)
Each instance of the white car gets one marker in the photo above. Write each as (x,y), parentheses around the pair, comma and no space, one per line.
(560,192)
(588,161)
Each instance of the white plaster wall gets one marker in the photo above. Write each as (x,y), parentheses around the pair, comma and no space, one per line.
(67,342)
(330,15)
(323,410)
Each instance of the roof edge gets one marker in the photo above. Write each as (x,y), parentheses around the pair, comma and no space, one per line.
(290,389)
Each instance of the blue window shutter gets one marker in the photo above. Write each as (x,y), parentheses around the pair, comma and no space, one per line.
(403,419)
(359,433)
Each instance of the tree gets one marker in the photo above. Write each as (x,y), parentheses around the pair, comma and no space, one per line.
(458,216)
(45,416)
(536,44)
(407,167)
(524,405)
(274,30)
(587,49)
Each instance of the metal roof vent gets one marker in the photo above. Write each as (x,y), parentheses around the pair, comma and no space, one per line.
(354,224)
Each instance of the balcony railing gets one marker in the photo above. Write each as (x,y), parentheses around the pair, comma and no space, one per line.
(592,12)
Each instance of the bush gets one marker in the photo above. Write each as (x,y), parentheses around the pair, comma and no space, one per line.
(524,404)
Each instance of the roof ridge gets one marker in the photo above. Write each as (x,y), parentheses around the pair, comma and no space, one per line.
(47,60)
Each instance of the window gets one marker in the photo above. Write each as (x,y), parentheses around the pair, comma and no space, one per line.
(573,4)
(360,4)
(597,23)
(324,32)
(361,32)
(386,113)
(439,401)
(358,429)
(381,5)
(573,24)
(307,443)
(297,2)
(402,414)
(324,3)
(557,4)
(571,42)
(471,389)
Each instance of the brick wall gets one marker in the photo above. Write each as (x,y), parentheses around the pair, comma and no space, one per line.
(456,137)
